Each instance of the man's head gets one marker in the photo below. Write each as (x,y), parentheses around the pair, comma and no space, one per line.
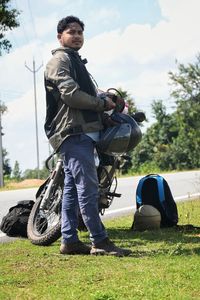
(70,32)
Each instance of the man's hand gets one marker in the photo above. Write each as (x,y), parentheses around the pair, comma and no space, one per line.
(119,101)
(107,121)
(112,101)
(109,104)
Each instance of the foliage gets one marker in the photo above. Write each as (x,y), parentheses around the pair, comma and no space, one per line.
(172,142)
(33,173)
(6,164)
(187,96)
(155,146)
(129,101)
(16,173)
(164,265)
(186,81)
(3,108)
(8,21)
(126,164)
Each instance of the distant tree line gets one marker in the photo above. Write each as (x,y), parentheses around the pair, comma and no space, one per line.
(17,174)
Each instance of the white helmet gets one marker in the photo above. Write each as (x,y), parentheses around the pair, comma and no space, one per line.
(147,217)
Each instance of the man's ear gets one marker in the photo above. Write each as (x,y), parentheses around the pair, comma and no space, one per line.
(59,36)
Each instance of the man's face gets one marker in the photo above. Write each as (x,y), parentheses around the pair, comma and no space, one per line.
(72,36)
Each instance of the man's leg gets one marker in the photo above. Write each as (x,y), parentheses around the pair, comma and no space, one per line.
(70,241)
(79,153)
(69,209)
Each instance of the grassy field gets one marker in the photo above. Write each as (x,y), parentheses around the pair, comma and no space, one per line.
(165,264)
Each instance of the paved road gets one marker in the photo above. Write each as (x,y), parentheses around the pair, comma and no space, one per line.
(184,185)
(10,198)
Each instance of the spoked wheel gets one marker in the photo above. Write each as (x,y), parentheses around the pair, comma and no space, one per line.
(44,224)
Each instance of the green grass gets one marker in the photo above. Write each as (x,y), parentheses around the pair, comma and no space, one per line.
(165,264)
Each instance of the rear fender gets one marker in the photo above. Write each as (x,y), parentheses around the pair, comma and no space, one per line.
(39,191)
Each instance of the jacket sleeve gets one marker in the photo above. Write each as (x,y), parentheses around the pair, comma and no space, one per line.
(58,72)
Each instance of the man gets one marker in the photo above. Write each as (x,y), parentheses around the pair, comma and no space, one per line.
(73,122)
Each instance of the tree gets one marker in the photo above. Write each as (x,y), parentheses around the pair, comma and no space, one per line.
(3,108)
(6,164)
(173,141)
(186,81)
(5,168)
(187,95)
(155,145)
(8,21)
(16,174)
(33,173)
(129,100)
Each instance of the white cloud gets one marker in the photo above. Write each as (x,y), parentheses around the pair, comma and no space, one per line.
(13,65)
(180,10)
(58,2)
(104,16)
(181,27)
(44,25)
(177,37)
(19,126)
(149,85)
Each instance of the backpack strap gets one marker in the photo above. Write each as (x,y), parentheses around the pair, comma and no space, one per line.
(160,185)
(139,190)
(161,192)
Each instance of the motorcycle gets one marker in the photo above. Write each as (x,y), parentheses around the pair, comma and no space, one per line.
(44,224)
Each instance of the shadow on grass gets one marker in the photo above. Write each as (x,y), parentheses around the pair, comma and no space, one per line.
(177,240)
(177,251)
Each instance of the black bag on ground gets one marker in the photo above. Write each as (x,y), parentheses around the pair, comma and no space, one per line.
(16,220)
(154,190)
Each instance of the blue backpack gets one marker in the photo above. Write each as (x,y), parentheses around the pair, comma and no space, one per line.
(154,190)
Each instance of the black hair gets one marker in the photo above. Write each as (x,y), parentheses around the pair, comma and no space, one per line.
(64,23)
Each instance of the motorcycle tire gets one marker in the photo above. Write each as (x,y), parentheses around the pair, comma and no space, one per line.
(44,223)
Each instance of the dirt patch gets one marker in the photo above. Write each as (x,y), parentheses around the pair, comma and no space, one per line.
(27,183)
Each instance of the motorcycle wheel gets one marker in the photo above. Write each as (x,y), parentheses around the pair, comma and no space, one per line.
(44,224)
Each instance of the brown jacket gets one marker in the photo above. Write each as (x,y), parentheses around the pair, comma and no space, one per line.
(68,105)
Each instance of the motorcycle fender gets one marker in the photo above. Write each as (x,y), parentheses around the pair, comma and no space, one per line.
(41,188)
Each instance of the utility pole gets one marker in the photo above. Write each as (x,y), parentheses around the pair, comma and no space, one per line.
(1,152)
(34,71)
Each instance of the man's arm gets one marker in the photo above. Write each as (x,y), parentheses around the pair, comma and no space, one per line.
(58,72)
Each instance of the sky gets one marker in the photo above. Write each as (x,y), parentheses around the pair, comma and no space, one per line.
(132,44)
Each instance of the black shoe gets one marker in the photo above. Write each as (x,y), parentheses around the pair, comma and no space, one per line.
(75,248)
(106,247)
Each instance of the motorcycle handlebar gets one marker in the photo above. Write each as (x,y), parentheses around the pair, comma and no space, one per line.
(139,116)
(48,160)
